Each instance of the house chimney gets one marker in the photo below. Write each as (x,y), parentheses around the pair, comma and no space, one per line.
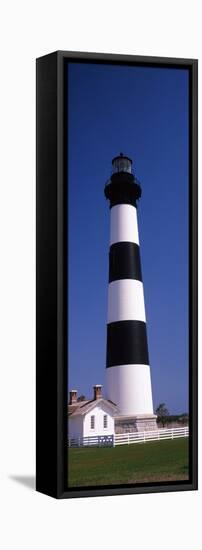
(97,391)
(72,397)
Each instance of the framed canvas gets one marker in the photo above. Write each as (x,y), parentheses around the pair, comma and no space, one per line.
(116,373)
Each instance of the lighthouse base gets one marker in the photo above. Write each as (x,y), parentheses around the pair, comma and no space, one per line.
(138,423)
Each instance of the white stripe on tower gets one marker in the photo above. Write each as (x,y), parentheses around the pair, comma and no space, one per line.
(125,301)
(130,387)
(128,371)
(123,224)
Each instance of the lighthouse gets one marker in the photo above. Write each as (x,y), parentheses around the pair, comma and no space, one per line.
(128,378)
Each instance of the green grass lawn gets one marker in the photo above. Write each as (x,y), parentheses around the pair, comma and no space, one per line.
(138,463)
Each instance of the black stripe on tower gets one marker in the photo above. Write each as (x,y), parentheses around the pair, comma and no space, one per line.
(127,343)
(124,261)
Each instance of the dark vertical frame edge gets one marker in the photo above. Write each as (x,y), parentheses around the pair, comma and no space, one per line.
(46,274)
(51,274)
(193,285)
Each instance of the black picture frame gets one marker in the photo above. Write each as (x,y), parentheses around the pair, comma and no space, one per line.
(52,273)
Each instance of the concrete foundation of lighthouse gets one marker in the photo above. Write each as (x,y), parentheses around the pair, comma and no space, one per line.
(127,364)
(141,423)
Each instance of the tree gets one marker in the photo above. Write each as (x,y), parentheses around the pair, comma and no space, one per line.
(81,398)
(184,419)
(162,413)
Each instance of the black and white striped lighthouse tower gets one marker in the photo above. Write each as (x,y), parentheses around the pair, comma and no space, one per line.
(127,363)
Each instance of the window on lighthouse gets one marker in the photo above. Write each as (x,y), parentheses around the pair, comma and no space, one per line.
(92,422)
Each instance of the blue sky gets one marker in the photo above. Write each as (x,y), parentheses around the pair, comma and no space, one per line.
(142,112)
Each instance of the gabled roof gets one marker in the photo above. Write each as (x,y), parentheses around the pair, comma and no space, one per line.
(83,407)
(75,406)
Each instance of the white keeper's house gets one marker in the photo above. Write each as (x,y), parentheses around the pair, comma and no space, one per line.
(94,417)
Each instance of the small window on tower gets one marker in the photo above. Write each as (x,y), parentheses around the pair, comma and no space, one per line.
(92,422)
(105,420)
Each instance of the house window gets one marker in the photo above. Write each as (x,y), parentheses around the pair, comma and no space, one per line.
(92,422)
(105,420)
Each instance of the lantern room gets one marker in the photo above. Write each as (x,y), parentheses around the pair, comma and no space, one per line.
(122,164)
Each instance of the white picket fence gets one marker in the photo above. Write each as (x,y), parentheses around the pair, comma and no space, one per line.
(128,438)
(92,441)
(156,435)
